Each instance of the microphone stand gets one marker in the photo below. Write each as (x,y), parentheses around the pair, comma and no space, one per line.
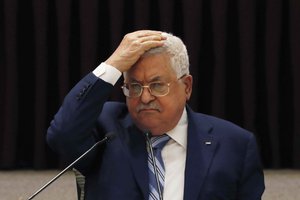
(148,135)
(107,137)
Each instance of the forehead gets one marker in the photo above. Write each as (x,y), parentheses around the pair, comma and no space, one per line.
(151,68)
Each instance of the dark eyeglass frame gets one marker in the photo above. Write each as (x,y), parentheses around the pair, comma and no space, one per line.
(126,90)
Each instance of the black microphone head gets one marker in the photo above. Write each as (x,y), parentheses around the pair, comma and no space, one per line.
(147,134)
(110,135)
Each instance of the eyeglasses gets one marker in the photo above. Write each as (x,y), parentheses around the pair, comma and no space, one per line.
(158,89)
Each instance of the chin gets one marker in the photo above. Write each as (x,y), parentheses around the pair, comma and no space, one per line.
(146,126)
(148,122)
(154,129)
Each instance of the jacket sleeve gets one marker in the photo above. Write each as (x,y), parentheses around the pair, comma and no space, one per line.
(251,185)
(71,132)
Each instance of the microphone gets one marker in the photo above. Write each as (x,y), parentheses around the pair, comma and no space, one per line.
(150,148)
(107,137)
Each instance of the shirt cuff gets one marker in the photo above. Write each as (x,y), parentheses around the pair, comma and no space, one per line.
(107,73)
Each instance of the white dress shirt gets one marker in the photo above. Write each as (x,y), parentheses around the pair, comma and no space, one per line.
(174,157)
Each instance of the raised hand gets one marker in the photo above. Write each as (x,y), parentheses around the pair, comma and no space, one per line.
(133,46)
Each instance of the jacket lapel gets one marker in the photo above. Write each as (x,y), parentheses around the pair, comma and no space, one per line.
(201,147)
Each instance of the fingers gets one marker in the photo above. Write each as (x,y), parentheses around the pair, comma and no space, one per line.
(144,33)
(143,44)
(133,46)
(144,36)
(145,40)
(150,38)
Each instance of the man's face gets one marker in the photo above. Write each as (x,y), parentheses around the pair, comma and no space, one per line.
(157,114)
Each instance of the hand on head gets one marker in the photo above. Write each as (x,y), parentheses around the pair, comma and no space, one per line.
(133,46)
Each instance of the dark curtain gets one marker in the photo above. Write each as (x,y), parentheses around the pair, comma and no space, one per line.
(244,55)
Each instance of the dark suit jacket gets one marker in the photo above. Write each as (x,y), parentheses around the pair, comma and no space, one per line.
(222,159)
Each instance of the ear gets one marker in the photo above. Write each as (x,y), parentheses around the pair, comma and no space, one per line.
(188,81)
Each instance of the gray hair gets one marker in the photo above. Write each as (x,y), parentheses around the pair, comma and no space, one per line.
(176,49)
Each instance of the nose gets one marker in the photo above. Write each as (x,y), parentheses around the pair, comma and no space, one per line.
(146,96)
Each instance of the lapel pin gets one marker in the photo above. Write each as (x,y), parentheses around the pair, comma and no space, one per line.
(208,143)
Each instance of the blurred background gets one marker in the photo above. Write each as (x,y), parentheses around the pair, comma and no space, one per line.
(244,56)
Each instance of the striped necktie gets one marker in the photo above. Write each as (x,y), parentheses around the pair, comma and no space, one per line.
(157,144)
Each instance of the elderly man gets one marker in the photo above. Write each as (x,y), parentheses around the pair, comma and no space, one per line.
(161,149)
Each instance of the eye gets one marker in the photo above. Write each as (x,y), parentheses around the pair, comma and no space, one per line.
(158,86)
(135,87)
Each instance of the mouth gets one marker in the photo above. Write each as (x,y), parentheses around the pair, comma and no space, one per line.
(148,110)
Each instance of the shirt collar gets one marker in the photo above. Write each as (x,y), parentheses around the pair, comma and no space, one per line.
(179,132)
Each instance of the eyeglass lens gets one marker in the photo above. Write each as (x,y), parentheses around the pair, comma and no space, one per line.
(155,88)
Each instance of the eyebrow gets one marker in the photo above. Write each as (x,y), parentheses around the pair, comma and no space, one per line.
(156,78)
